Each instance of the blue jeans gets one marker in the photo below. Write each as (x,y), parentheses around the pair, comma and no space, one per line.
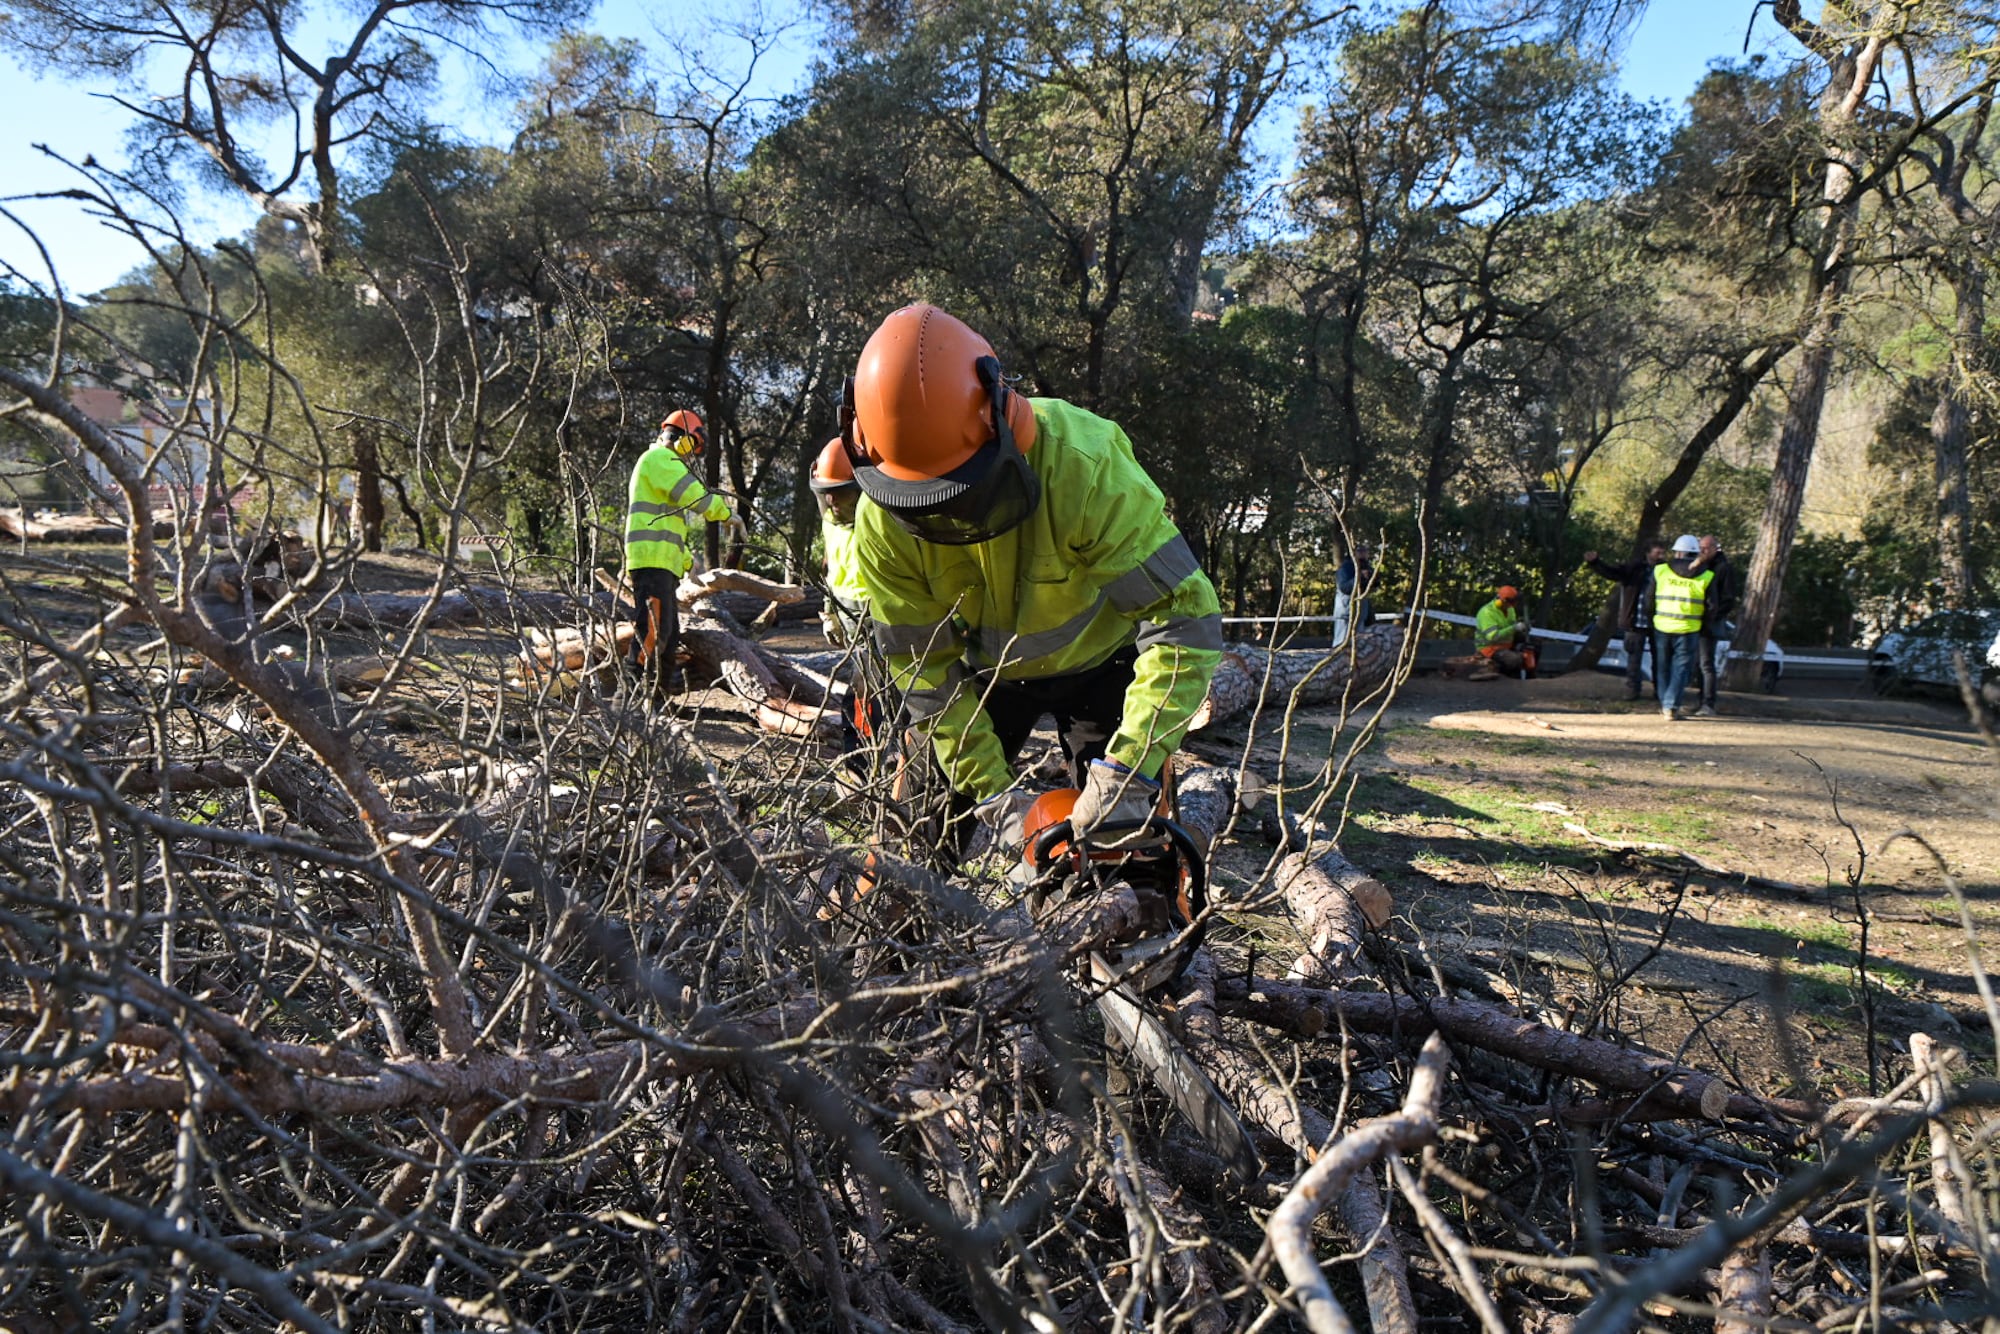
(1674,665)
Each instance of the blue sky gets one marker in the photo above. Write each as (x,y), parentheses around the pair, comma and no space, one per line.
(1675,42)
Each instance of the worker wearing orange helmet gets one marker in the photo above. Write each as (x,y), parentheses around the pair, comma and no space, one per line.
(844,615)
(665,503)
(1501,634)
(1020,562)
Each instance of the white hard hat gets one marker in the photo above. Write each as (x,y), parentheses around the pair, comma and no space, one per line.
(1687,544)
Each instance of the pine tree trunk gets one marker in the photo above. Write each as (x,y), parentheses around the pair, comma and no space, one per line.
(1764,584)
(366,516)
(1951,430)
(1850,72)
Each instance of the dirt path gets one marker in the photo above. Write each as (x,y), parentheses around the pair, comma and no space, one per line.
(1754,788)
(1474,802)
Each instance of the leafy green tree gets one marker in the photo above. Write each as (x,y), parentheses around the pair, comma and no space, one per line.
(1444,180)
(231,76)
(1867,121)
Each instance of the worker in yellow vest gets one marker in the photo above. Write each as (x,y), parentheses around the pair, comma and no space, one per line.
(1019,561)
(1680,597)
(843,617)
(1501,634)
(664,508)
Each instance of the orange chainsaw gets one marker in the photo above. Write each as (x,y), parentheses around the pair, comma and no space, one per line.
(1159,861)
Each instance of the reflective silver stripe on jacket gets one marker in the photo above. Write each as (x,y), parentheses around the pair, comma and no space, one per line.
(1000,647)
(918,639)
(933,700)
(1192,632)
(649,535)
(1155,577)
(680,488)
(654,507)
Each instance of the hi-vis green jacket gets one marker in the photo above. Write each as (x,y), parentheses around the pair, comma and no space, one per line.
(845,617)
(1496,626)
(662,506)
(1097,565)
(843,571)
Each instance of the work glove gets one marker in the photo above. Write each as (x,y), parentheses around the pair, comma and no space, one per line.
(830,626)
(1005,818)
(1112,794)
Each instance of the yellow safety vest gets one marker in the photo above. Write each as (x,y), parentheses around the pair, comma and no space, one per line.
(663,504)
(1678,599)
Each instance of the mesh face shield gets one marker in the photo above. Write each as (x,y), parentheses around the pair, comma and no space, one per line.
(838,499)
(990,493)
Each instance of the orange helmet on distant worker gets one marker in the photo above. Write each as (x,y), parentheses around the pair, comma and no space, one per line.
(832,482)
(1507,593)
(684,433)
(936,435)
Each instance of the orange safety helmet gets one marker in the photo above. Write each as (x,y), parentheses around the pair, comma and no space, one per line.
(1508,593)
(832,482)
(937,437)
(922,406)
(685,434)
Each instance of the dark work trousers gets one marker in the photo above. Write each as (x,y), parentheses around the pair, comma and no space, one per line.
(1087,707)
(649,587)
(1636,644)
(1708,668)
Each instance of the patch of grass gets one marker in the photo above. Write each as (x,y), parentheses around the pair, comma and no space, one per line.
(1825,933)
(1430,861)
(1679,825)
(1822,987)
(1895,978)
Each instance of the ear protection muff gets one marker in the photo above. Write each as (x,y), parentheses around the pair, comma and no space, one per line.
(998,395)
(856,455)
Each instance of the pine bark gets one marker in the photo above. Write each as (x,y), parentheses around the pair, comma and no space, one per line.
(1251,679)
(1850,69)
(1951,434)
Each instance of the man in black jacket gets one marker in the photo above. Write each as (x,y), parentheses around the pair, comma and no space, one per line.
(1635,609)
(1722,595)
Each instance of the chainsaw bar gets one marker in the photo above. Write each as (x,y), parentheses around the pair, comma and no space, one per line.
(1193,1094)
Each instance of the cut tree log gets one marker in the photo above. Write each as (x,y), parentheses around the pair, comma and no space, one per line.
(694,587)
(1333,902)
(46,527)
(786,698)
(455,609)
(1250,679)
(1669,1089)
(1245,1080)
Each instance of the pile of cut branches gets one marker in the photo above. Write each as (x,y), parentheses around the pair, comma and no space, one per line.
(353,977)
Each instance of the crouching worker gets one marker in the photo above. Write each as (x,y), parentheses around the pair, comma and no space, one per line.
(665,504)
(843,616)
(1500,634)
(1019,562)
